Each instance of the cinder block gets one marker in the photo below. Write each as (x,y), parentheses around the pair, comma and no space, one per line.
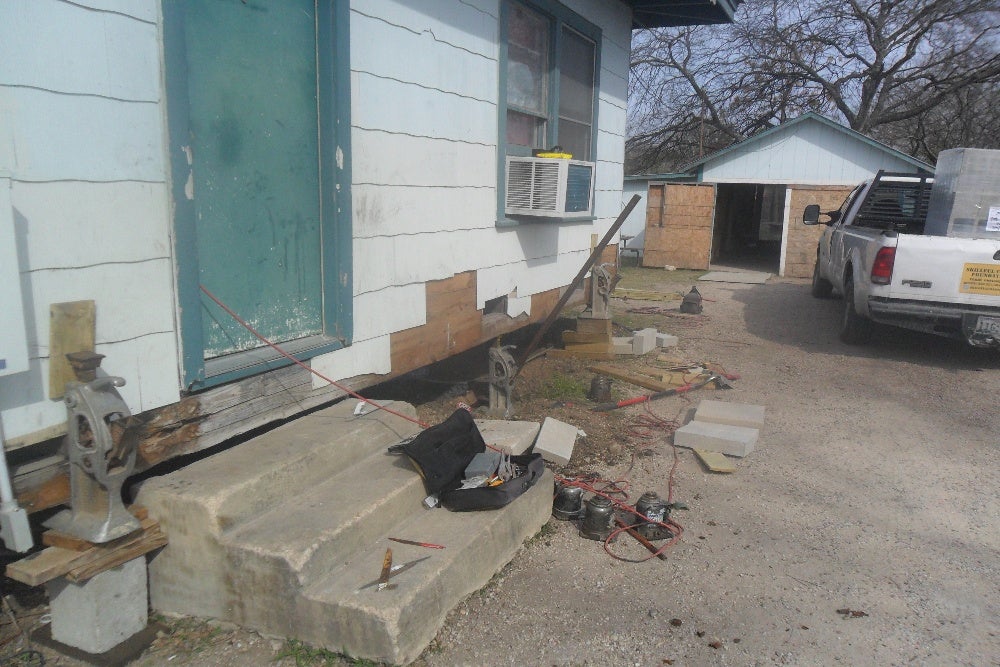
(666,340)
(515,436)
(722,438)
(622,344)
(644,341)
(734,414)
(556,440)
(98,614)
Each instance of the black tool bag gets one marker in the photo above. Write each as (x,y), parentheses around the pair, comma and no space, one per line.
(442,452)
(495,497)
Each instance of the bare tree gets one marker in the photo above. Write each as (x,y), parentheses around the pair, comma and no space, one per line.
(892,69)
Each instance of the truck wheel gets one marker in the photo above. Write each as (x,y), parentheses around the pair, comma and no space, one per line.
(821,287)
(854,329)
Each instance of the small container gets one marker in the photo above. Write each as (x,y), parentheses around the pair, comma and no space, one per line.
(597,519)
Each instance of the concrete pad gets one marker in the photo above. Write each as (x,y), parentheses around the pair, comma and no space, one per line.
(734,414)
(745,277)
(556,441)
(98,614)
(644,341)
(666,340)
(517,436)
(722,438)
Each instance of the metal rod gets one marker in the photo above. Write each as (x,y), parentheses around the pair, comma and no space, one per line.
(598,249)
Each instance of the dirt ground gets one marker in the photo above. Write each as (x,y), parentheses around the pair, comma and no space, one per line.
(863,529)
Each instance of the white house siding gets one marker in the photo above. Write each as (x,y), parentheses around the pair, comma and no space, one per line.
(425,81)
(82,156)
(805,153)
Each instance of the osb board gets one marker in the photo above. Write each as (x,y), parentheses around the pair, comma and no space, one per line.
(679,232)
(800,251)
(71,329)
(453,325)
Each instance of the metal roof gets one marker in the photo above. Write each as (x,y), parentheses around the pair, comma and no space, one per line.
(666,13)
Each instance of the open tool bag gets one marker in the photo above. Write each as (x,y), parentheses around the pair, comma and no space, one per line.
(441,453)
(530,468)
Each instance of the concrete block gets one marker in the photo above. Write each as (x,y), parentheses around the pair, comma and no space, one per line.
(517,436)
(734,414)
(644,341)
(666,340)
(722,438)
(622,344)
(556,440)
(98,614)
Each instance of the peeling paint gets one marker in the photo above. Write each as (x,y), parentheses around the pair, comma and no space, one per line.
(189,186)
(340,158)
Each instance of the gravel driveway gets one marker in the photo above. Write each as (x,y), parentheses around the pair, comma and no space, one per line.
(872,491)
(863,530)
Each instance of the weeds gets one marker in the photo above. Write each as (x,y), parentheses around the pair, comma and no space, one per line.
(561,386)
(307,656)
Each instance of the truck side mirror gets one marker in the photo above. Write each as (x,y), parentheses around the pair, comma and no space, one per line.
(811,215)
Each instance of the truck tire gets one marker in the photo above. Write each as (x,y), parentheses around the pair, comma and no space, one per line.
(854,329)
(821,287)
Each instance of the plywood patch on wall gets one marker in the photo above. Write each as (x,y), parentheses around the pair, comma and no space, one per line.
(453,325)
(679,221)
(800,249)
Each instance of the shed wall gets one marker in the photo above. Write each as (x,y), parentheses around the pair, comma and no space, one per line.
(809,153)
(801,240)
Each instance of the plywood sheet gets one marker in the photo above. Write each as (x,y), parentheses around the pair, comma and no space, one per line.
(72,328)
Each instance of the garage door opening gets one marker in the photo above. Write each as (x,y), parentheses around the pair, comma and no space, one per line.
(749,219)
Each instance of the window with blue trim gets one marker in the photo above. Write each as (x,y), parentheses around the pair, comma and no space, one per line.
(549,83)
(549,65)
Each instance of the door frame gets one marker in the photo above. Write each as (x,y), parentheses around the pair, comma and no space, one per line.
(334,91)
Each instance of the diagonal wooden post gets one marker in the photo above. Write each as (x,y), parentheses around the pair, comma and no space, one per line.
(598,249)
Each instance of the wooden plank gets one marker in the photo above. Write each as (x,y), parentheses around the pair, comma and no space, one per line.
(72,328)
(53,538)
(44,566)
(568,354)
(591,347)
(576,337)
(715,461)
(80,564)
(592,325)
(632,378)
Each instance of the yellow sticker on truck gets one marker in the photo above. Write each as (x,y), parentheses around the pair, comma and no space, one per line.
(980,279)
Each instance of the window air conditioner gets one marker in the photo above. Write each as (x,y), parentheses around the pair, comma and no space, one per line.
(549,187)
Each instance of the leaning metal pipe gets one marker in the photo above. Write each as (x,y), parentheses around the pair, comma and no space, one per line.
(598,249)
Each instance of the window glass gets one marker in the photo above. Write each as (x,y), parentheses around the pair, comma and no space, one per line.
(576,93)
(527,76)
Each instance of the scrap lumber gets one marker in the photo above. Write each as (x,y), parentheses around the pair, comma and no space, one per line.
(715,461)
(633,378)
(578,338)
(645,295)
(78,563)
(567,354)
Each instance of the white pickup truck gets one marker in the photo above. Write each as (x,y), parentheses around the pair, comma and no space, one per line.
(874,252)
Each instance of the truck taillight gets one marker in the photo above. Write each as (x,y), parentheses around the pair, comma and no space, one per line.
(882,267)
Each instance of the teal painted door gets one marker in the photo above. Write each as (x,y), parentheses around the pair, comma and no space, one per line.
(255,168)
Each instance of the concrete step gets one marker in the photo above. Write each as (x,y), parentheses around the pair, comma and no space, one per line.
(324,525)
(291,564)
(395,626)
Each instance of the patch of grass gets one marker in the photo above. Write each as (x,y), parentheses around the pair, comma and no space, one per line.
(307,656)
(560,386)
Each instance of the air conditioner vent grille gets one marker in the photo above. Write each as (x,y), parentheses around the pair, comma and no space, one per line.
(547,187)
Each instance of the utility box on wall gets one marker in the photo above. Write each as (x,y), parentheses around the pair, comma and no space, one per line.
(13,341)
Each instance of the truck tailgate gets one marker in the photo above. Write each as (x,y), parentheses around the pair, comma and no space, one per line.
(946,269)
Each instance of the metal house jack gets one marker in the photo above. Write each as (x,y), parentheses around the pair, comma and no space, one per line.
(100,460)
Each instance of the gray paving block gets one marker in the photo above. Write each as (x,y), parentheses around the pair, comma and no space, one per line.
(722,438)
(517,436)
(644,341)
(666,340)
(556,440)
(734,414)
(622,344)
(98,614)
